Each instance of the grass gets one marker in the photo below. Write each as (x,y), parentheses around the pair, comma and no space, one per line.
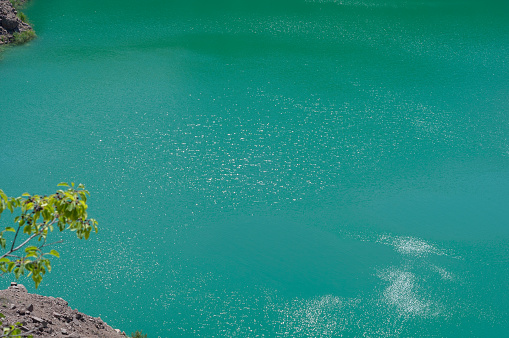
(22,16)
(16,3)
(138,334)
(23,37)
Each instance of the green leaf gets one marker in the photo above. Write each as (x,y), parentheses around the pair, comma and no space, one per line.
(48,264)
(62,184)
(54,253)
(11,229)
(31,248)
(10,206)
(37,280)
(3,195)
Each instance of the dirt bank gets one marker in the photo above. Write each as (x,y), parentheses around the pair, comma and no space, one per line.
(50,317)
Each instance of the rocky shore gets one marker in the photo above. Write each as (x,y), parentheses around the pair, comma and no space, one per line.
(50,317)
(10,23)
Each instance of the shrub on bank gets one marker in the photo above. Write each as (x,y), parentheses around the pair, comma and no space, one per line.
(22,17)
(21,38)
(16,3)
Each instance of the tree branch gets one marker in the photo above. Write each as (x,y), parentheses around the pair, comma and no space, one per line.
(41,230)
(23,334)
(15,236)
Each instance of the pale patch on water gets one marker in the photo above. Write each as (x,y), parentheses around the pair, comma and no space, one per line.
(403,293)
(355,3)
(446,275)
(324,316)
(409,245)
(311,317)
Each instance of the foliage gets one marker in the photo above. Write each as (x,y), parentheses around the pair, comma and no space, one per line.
(17,3)
(12,330)
(38,217)
(138,334)
(22,17)
(21,38)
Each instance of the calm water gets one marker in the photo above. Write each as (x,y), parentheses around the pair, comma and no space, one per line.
(272,168)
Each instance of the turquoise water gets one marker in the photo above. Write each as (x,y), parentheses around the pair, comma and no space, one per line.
(272,168)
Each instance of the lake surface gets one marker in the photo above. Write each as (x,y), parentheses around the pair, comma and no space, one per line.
(272,168)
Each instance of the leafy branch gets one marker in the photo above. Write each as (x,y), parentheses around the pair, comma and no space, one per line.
(13,331)
(39,216)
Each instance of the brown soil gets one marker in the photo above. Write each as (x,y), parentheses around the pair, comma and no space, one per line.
(50,317)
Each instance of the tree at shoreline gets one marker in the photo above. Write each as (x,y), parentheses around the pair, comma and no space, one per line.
(27,248)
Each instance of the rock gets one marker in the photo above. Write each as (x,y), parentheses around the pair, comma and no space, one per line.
(63,317)
(48,316)
(40,321)
(10,22)
(62,301)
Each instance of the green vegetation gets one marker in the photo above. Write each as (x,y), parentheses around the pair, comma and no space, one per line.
(13,331)
(23,37)
(37,216)
(19,38)
(17,3)
(138,334)
(22,16)
(26,243)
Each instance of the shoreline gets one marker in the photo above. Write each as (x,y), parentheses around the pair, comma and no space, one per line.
(48,316)
(14,26)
